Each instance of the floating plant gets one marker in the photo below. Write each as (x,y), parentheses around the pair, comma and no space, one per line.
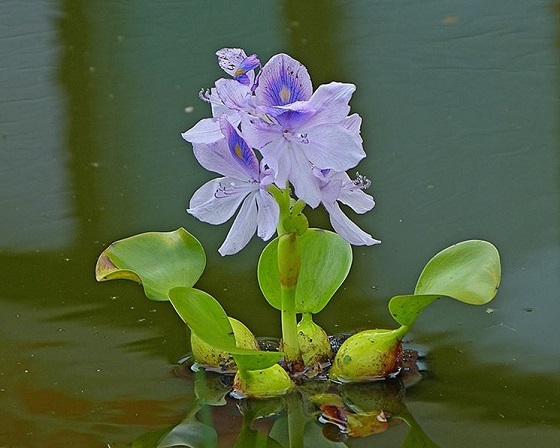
(280,147)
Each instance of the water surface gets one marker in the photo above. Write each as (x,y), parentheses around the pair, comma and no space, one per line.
(460,105)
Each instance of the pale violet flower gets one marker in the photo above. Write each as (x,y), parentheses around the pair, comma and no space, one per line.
(235,62)
(338,187)
(297,130)
(303,138)
(228,97)
(243,187)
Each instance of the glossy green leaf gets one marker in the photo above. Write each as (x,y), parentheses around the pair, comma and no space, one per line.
(406,308)
(208,320)
(325,262)
(255,360)
(204,315)
(158,260)
(468,271)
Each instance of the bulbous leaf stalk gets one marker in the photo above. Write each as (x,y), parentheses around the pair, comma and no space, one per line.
(214,359)
(270,382)
(368,356)
(313,341)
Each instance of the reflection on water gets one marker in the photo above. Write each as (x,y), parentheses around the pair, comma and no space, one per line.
(460,108)
(345,412)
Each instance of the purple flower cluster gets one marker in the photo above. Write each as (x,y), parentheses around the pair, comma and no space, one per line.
(269,127)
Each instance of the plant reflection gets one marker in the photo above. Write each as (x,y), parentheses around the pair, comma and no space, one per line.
(318,415)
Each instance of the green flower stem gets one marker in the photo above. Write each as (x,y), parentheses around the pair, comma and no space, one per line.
(298,207)
(290,342)
(289,261)
(290,224)
(282,197)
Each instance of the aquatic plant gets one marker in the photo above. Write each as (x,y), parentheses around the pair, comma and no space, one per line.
(280,147)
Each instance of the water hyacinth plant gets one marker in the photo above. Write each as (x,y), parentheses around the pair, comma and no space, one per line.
(278,147)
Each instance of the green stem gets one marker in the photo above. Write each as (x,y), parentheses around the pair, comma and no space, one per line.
(282,197)
(289,261)
(298,207)
(401,332)
(290,342)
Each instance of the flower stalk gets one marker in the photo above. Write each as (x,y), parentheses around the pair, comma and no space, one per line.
(289,262)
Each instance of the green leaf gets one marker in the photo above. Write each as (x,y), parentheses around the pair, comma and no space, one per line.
(406,308)
(204,315)
(158,260)
(325,262)
(208,320)
(468,271)
(255,360)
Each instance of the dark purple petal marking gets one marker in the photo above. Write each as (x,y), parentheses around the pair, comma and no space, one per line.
(242,79)
(239,149)
(249,63)
(286,81)
(291,120)
(222,191)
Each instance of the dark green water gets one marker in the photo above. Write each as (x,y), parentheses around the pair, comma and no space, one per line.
(460,103)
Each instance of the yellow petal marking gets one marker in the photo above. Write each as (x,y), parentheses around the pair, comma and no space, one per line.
(238,152)
(285,94)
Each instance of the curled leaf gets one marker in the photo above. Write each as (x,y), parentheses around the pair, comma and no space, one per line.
(469,271)
(158,260)
(208,320)
(406,308)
